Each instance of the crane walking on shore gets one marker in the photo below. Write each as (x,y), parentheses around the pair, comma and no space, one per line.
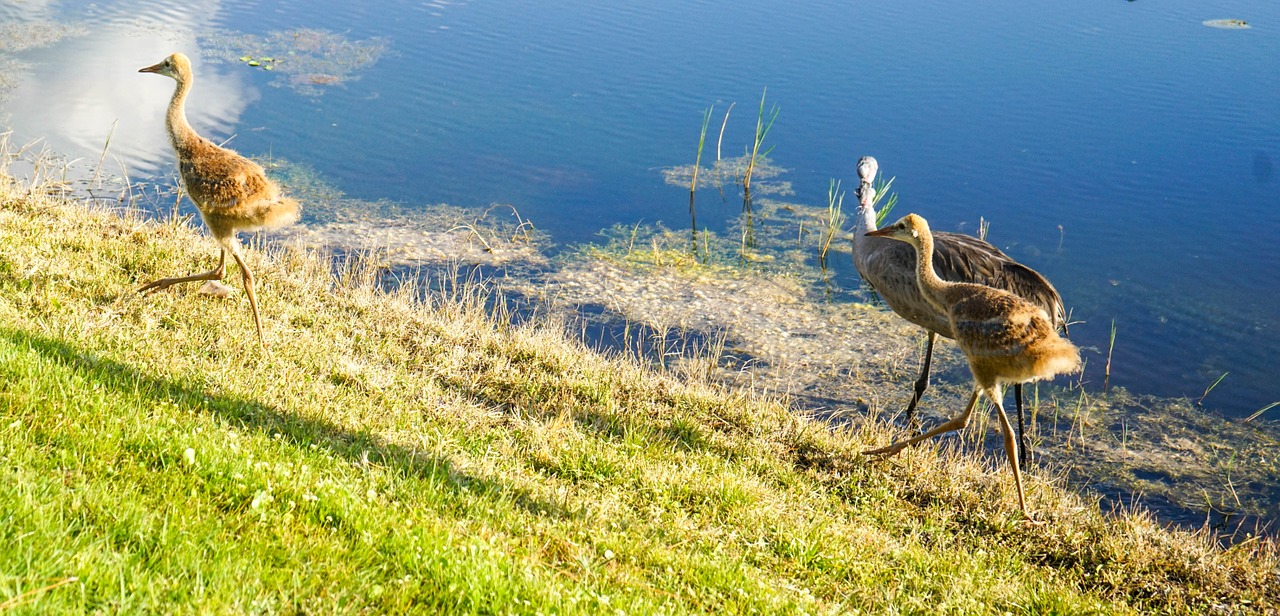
(1006,339)
(232,192)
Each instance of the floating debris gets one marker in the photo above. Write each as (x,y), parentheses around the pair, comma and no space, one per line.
(307,60)
(1228,24)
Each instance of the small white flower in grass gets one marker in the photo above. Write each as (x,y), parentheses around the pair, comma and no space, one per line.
(261,499)
(310,498)
(608,554)
(190,456)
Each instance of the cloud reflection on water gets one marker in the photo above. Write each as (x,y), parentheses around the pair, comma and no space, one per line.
(77,88)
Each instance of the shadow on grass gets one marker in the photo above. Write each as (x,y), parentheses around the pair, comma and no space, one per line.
(358,447)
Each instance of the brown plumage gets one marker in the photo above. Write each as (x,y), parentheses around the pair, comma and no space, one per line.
(890,268)
(1007,339)
(232,192)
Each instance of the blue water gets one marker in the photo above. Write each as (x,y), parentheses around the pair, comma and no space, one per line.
(1124,149)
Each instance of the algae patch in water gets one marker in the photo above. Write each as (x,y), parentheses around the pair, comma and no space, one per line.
(11,72)
(35,34)
(19,37)
(433,235)
(778,335)
(1228,24)
(730,171)
(1194,465)
(305,60)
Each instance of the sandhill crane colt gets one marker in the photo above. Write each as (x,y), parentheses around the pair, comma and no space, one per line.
(1006,339)
(232,192)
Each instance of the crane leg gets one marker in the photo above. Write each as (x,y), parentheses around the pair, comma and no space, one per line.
(1024,454)
(214,274)
(1010,448)
(247,277)
(922,382)
(955,423)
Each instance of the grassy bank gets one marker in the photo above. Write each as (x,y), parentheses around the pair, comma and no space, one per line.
(391,454)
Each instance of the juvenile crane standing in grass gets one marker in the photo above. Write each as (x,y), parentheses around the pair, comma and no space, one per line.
(1006,339)
(232,192)
(890,268)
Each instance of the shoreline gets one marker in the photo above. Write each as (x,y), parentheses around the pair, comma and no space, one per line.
(402,447)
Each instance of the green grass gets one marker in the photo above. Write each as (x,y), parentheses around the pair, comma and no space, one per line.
(390,454)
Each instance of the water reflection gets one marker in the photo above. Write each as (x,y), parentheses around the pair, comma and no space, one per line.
(75,90)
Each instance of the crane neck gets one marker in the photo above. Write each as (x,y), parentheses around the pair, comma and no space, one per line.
(865,222)
(180,132)
(866,219)
(931,285)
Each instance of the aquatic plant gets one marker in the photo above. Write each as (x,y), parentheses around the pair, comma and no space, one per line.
(885,201)
(1210,388)
(97,170)
(723,124)
(1111,346)
(22,36)
(305,60)
(762,131)
(1258,413)
(693,184)
(834,220)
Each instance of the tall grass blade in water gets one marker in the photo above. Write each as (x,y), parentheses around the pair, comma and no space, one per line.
(723,124)
(1200,402)
(1258,413)
(762,130)
(1106,379)
(97,171)
(693,185)
(882,194)
(835,219)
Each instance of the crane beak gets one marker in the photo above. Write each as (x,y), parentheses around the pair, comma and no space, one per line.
(878,233)
(154,68)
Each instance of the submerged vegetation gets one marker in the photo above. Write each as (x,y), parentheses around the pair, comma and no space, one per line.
(22,36)
(401,449)
(305,60)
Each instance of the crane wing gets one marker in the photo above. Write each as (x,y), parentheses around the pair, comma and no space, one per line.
(964,258)
(992,325)
(220,183)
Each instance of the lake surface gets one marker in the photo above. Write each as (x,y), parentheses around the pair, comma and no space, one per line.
(1124,149)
